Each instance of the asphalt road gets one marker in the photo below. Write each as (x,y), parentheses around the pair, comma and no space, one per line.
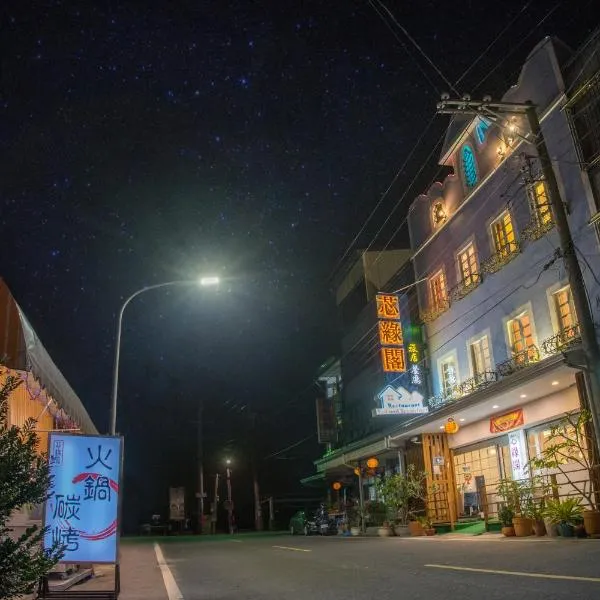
(289,567)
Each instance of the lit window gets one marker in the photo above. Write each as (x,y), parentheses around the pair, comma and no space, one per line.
(481,130)
(469,166)
(520,333)
(467,263)
(503,234)
(540,204)
(438,291)
(565,310)
(449,375)
(480,356)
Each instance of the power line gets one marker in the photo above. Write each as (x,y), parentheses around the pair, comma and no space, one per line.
(290,447)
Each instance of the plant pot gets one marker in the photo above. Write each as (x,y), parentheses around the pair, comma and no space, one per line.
(579,530)
(551,528)
(566,529)
(539,528)
(401,530)
(384,531)
(508,531)
(415,528)
(430,531)
(355,531)
(591,521)
(523,526)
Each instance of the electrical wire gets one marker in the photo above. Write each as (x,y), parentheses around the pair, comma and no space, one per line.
(290,447)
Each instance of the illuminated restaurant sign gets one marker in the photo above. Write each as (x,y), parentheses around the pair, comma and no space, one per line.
(399,401)
(391,340)
(507,421)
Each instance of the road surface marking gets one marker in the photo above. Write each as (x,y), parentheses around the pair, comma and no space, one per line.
(236,541)
(518,573)
(173,591)
(292,549)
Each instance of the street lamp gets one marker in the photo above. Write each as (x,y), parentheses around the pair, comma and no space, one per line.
(203,281)
(229,501)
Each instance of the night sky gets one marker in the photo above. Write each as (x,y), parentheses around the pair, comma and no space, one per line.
(144,142)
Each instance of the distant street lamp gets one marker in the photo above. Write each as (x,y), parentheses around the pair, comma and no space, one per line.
(203,281)
(229,500)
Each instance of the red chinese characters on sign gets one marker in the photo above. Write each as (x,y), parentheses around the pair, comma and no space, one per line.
(390,333)
(387,306)
(393,360)
(507,421)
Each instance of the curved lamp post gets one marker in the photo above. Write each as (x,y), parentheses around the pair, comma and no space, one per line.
(204,281)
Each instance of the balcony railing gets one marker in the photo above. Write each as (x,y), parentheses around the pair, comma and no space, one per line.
(535,230)
(435,311)
(519,361)
(465,287)
(498,260)
(478,381)
(562,340)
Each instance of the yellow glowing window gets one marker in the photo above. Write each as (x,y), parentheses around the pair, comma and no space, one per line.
(390,333)
(393,360)
(437,286)
(467,262)
(387,306)
(541,204)
(565,310)
(503,234)
(520,333)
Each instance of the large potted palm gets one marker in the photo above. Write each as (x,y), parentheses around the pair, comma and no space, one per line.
(570,445)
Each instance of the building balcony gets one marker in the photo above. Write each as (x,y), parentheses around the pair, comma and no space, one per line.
(498,260)
(465,287)
(478,381)
(563,340)
(432,313)
(535,230)
(519,360)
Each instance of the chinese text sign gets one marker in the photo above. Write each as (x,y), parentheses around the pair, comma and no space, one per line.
(390,333)
(83,510)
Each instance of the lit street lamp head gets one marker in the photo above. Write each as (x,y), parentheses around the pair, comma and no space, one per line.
(209,281)
(228,461)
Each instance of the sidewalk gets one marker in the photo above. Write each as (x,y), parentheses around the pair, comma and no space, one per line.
(141,578)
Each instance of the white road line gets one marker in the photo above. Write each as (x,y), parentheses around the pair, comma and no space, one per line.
(236,541)
(517,573)
(292,549)
(171,586)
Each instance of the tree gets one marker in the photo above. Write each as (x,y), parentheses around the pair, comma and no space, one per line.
(24,480)
(403,493)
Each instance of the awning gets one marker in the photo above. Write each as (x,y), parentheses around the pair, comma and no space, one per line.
(49,376)
(348,454)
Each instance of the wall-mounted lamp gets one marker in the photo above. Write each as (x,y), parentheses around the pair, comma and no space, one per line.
(501,150)
(439,214)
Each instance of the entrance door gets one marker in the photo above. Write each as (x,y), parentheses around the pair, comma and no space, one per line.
(478,470)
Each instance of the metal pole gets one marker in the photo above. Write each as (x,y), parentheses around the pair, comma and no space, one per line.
(200,469)
(361,498)
(271,514)
(576,282)
(229,502)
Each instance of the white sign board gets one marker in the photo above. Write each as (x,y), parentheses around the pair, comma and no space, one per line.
(518,453)
(399,402)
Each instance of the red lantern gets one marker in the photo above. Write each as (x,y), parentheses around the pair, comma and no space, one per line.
(451,426)
(337,486)
(372,463)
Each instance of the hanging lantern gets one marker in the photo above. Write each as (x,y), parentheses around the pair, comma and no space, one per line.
(357,471)
(337,486)
(451,426)
(372,463)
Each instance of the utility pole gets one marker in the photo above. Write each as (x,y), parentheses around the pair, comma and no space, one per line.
(200,494)
(258,520)
(215,507)
(229,500)
(494,111)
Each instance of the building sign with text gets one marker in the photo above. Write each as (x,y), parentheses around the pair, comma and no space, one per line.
(393,358)
(507,421)
(82,513)
(399,401)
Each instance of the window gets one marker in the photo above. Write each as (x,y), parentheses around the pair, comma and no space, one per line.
(467,263)
(469,165)
(503,235)
(480,356)
(565,310)
(540,204)
(481,130)
(438,291)
(449,376)
(520,333)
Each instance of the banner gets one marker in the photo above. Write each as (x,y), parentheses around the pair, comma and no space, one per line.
(177,503)
(326,428)
(82,512)
(507,421)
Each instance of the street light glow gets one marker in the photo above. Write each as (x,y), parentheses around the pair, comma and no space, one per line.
(228,461)
(209,281)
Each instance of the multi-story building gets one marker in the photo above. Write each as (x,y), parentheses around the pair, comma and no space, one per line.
(499,317)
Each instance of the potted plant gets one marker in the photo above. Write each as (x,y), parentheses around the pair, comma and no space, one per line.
(535,511)
(403,494)
(385,530)
(573,442)
(518,494)
(505,516)
(426,525)
(564,513)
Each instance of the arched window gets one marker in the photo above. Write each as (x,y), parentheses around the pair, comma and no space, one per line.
(481,130)
(469,165)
